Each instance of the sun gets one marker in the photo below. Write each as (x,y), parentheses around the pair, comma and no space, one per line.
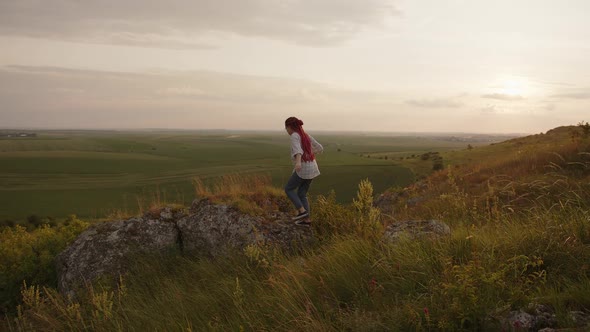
(513,86)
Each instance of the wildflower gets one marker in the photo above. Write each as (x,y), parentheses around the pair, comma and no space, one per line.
(372,285)
(426,312)
(373,282)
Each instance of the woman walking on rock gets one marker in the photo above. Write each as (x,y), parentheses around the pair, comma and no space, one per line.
(303,149)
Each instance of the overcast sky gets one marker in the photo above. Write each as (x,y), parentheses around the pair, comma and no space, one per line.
(371,65)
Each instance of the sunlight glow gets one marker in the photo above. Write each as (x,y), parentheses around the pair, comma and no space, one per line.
(514,86)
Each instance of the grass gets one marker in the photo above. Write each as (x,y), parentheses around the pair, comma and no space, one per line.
(505,251)
(464,282)
(92,173)
(252,194)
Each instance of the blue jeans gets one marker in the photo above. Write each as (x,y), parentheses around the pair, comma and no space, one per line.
(299,197)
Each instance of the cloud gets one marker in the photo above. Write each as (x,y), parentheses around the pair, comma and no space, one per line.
(490,109)
(181,91)
(434,103)
(502,96)
(192,23)
(55,97)
(573,95)
(37,93)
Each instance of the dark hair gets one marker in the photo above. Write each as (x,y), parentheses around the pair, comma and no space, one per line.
(296,125)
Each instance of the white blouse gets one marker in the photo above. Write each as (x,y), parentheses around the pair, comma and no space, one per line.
(309,169)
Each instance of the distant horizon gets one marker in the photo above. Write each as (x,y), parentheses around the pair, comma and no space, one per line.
(266,130)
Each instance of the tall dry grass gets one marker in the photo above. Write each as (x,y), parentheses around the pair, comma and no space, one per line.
(251,193)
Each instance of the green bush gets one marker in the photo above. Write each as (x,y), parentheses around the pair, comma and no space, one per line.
(29,256)
(362,219)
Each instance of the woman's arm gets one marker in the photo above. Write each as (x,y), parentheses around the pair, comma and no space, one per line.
(298,162)
(295,145)
(296,150)
(316,147)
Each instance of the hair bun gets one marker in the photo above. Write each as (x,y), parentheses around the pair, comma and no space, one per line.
(300,122)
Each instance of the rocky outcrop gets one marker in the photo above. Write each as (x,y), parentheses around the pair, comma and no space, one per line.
(534,318)
(215,229)
(103,248)
(416,229)
(408,196)
(540,317)
(386,201)
(206,229)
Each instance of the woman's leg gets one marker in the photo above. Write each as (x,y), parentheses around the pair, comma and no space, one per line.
(302,193)
(294,182)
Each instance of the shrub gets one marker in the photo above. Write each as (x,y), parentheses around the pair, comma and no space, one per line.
(34,220)
(28,256)
(360,219)
(7,223)
(437,163)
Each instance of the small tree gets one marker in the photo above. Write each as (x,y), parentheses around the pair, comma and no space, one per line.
(469,147)
(585,126)
(575,135)
(437,163)
(8,223)
(34,220)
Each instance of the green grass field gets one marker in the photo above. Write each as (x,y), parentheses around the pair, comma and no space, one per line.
(95,173)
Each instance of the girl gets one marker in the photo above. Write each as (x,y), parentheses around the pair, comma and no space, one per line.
(303,147)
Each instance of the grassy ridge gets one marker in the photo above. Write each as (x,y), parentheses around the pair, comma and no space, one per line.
(348,282)
(506,250)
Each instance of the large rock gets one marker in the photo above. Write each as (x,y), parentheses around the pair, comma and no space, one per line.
(389,199)
(208,229)
(534,317)
(416,229)
(102,249)
(386,201)
(215,229)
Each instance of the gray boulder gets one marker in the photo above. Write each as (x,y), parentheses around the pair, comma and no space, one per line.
(102,249)
(208,229)
(215,229)
(386,201)
(580,318)
(535,317)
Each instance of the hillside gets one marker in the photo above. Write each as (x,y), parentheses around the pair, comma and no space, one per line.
(521,173)
(517,258)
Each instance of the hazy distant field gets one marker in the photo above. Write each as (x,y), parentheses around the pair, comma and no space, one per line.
(92,173)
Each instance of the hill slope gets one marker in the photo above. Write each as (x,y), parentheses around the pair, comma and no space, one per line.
(517,259)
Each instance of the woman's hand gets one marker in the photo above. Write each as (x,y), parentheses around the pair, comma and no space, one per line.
(298,162)
(298,166)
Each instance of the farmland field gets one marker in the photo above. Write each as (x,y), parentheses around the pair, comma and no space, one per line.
(93,173)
